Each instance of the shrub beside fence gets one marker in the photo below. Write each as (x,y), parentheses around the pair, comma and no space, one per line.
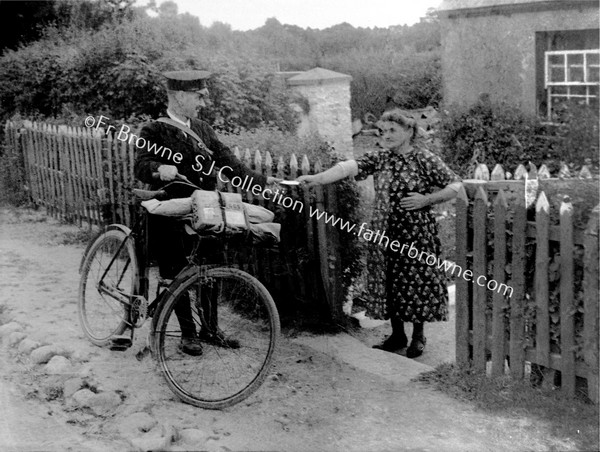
(83,176)
(526,234)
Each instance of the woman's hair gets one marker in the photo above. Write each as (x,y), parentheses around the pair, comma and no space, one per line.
(399,117)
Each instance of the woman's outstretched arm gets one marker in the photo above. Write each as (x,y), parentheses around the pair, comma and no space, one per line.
(333,174)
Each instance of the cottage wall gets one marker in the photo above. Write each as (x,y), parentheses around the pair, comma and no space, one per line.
(495,54)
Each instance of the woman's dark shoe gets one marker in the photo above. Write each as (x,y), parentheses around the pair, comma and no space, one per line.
(417,345)
(393,343)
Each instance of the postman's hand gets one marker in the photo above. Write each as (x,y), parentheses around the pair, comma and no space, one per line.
(167,172)
(273,180)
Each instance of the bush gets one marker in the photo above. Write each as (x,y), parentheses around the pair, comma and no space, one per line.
(12,183)
(500,134)
(116,71)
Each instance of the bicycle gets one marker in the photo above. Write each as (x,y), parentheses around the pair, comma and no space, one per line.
(225,301)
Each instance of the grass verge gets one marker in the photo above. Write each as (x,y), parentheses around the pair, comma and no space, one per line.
(572,419)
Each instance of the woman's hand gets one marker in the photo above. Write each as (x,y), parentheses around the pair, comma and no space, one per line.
(414,201)
(309,180)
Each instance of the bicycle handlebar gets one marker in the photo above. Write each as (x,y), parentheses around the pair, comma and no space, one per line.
(180,182)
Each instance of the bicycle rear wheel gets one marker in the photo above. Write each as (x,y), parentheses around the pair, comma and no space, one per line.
(101,314)
(233,366)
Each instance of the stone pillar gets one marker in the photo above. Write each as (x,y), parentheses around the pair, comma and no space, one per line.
(328,106)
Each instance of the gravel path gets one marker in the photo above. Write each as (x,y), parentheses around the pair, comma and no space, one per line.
(59,392)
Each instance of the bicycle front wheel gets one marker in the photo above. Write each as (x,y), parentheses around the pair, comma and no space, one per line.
(234,319)
(109,275)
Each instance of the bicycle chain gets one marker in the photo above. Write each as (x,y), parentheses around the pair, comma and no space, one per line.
(139,310)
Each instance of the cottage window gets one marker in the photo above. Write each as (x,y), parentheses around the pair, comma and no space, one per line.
(572,76)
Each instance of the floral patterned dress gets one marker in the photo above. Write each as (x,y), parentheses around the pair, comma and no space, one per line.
(402,283)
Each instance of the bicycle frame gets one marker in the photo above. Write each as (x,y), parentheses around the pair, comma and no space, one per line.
(139,234)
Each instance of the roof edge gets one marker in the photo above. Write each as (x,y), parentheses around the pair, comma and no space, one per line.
(511,8)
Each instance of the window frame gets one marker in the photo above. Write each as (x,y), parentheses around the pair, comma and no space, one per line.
(549,84)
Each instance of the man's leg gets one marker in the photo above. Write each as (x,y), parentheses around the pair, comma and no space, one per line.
(168,238)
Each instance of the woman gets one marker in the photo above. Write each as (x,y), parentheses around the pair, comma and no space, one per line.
(404,289)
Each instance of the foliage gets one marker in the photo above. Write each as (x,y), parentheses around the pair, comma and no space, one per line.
(116,71)
(22,22)
(106,57)
(499,134)
(386,78)
(13,182)
(245,97)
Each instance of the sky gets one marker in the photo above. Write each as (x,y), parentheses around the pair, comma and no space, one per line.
(250,14)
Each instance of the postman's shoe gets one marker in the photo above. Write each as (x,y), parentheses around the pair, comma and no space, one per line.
(393,343)
(218,339)
(417,345)
(190,346)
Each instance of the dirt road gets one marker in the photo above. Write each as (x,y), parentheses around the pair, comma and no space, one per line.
(61,393)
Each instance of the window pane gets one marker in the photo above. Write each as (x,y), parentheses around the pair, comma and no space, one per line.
(575,74)
(578,90)
(559,90)
(557,60)
(593,71)
(557,75)
(576,58)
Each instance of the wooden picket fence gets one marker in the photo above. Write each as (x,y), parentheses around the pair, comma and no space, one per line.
(513,328)
(84,176)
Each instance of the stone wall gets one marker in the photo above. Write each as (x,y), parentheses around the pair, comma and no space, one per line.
(327,107)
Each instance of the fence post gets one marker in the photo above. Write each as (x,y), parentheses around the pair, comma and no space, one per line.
(109,176)
(542,315)
(248,163)
(498,173)
(311,288)
(564,172)
(479,268)
(519,230)
(567,320)
(591,328)
(334,259)
(543,172)
(498,328)
(481,172)
(520,172)
(323,248)
(462,285)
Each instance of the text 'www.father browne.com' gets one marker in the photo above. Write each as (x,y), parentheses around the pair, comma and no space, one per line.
(380,238)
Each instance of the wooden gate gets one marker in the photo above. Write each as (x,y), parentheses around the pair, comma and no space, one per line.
(527,295)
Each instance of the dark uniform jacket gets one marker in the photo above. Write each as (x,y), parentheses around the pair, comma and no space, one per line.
(195,162)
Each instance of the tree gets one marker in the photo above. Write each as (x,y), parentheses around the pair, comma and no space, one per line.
(23,22)
(168,9)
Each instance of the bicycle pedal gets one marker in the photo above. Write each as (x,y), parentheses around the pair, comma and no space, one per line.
(120,343)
